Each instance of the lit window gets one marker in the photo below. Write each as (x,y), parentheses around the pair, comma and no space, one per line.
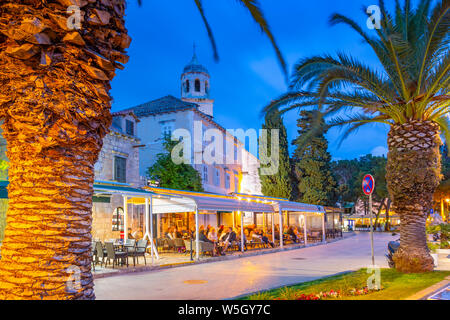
(117,219)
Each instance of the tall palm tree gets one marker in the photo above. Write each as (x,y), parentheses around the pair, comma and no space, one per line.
(55,107)
(409,93)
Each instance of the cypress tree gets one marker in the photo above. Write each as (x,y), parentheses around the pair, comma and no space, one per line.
(279,184)
(312,161)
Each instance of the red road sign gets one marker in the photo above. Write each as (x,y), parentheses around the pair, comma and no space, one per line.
(368,184)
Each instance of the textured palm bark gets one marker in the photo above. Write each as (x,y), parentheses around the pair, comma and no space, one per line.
(413,174)
(54,101)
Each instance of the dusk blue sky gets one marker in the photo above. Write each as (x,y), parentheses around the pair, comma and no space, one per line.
(247,76)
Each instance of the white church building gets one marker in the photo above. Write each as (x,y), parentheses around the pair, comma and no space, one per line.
(194,112)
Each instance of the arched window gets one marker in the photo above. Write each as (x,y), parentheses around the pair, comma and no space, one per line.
(117,220)
(187,87)
(197,85)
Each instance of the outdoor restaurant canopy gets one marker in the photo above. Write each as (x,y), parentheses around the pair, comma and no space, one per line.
(280,204)
(187,201)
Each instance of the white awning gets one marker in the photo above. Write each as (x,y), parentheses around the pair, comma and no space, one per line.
(284,204)
(186,201)
(299,207)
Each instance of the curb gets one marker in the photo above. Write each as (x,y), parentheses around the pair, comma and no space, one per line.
(428,292)
(131,270)
(289,285)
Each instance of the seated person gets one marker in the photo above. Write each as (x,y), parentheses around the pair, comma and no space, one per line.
(277,233)
(192,232)
(212,235)
(290,232)
(130,235)
(238,233)
(224,234)
(176,234)
(231,236)
(264,238)
(169,234)
(297,233)
(202,237)
(137,234)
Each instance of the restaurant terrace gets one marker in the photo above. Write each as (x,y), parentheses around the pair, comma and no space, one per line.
(120,210)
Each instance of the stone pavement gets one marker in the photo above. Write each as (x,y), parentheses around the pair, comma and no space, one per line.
(169,260)
(232,278)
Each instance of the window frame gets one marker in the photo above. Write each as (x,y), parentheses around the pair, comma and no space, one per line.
(197,85)
(127,127)
(227,180)
(205,174)
(116,175)
(217,177)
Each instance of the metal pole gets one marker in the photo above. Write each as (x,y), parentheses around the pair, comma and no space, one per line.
(146,229)
(190,238)
(281,226)
(304,229)
(323,228)
(273,229)
(242,230)
(125,216)
(197,235)
(152,243)
(371,229)
(264,221)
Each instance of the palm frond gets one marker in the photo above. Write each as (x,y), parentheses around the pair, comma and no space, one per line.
(199,5)
(444,124)
(437,32)
(355,122)
(255,11)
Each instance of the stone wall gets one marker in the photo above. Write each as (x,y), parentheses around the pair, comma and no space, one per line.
(102,216)
(117,144)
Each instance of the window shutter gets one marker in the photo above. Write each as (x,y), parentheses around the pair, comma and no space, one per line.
(120,169)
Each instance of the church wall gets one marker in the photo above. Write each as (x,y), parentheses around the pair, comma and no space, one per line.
(151,134)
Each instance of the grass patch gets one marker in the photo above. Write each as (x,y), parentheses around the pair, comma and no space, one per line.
(395,286)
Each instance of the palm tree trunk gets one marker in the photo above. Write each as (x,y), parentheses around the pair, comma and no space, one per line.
(55,105)
(388,208)
(413,174)
(378,213)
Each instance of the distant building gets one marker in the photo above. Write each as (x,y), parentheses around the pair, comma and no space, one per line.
(119,158)
(164,115)
(118,162)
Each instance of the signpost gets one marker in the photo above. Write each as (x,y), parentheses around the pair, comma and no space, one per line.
(368,185)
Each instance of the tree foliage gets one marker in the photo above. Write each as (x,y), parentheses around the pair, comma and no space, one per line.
(412,47)
(279,184)
(312,162)
(174,176)
(349,175)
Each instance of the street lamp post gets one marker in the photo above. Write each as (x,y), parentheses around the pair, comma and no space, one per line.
(368,185)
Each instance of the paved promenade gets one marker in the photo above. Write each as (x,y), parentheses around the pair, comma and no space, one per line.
(228,279)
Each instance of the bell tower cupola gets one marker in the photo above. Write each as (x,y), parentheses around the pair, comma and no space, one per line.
(195,85)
